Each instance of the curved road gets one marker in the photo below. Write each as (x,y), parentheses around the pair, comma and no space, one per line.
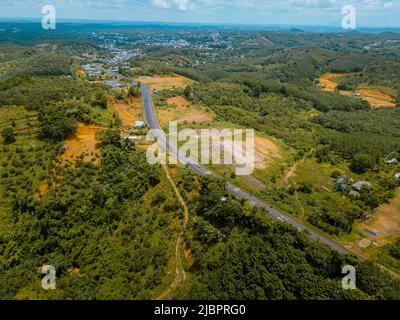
(238,192)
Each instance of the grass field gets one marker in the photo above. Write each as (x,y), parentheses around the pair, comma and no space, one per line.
(385,222)
(179,109)
(163,82)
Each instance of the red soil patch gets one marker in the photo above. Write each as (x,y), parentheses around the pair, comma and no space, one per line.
(377,98)
(178,101)
(376,93)
(326,80)
(130,112)
(126,113)
(374,96)
(196,117)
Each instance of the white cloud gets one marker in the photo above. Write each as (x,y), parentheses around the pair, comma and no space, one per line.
(182,5)
(164,4)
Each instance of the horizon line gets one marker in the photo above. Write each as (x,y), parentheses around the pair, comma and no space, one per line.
(99,21)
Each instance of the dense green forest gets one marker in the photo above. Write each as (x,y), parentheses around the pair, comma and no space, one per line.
(241,255)
(97,219)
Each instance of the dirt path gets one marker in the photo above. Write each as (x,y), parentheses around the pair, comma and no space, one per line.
(180,277)
(326,80)
(293,169)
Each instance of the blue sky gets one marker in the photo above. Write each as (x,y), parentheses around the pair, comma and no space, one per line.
(300,12)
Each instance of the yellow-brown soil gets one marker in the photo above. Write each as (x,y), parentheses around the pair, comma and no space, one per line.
(374,96)
(83,142)
(165,82)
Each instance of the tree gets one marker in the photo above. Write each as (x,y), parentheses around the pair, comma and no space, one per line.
(305,187)
(134,91)
(336,174)
(100,100)
(110,137)
(56,125)
(362,162)
(8,135)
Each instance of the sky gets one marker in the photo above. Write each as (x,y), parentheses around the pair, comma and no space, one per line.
(379,13)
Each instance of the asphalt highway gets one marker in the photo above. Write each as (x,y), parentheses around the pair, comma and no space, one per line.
(236,191)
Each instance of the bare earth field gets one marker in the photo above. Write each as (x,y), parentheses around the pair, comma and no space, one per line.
(376,97)
(381,229)
(385,222)
(196,117)
(181,111)
(178,101)
(165,82)
(83,142)
(129,113)
(326,81)
(265,150)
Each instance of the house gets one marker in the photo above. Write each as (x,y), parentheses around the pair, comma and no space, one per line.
(342,184)
(113,84)
(359,185)
(139,124)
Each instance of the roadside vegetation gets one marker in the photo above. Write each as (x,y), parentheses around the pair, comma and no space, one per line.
(77,195)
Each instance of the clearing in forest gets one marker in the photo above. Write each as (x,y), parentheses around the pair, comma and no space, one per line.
(374,96)
(326,80)
(179,101)
(129,112)
(265,151)
(385,222)
(179,109)
(165,82)
(82,142)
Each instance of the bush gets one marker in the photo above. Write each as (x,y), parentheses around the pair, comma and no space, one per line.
(362,162)
(336,174)
(8,135)
(134,92)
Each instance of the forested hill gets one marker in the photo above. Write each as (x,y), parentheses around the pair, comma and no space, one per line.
(109,222)
(240,254)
